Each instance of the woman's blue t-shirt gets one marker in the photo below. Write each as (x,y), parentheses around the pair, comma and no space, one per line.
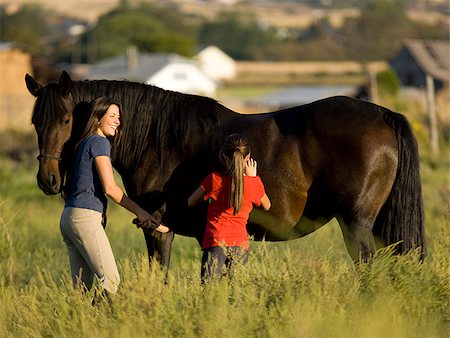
(85,189)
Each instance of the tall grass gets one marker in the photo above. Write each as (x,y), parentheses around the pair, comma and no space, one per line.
(303,288)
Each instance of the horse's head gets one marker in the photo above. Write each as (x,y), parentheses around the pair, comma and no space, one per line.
(52,119)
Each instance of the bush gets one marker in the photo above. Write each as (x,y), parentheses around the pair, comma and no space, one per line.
(388,82)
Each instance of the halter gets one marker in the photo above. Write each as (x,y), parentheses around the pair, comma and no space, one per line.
(52,157)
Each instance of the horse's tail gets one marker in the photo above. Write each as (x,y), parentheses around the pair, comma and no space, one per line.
(401,219)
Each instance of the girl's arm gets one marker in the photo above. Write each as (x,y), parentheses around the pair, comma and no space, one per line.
(196,197)
(113,191)
(265,202)
(251,170)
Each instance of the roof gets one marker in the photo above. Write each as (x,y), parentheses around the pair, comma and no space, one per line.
(432,56)
(6,45)
(145,66)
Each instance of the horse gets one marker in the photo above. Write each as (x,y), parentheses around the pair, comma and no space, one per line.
(337,157)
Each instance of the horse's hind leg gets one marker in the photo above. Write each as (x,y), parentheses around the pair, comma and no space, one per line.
(362,199)
(358,238)
(358,219)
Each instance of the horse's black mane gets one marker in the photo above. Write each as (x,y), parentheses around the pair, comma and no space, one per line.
(152,116)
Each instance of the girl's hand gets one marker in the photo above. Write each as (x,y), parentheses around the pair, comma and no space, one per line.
(250,167)
(162,229)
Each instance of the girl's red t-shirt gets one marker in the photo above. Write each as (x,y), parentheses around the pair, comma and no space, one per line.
(222,226)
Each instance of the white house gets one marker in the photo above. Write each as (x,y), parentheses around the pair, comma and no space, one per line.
(216,63)
(167,71)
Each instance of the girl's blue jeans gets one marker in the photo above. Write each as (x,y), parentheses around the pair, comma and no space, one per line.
(217,260)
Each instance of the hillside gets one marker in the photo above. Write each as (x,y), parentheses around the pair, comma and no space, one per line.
(278,14)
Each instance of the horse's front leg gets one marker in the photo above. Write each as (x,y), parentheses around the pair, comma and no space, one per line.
(159,247)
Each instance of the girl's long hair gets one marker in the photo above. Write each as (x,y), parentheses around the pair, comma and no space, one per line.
(98,108)
(232,154)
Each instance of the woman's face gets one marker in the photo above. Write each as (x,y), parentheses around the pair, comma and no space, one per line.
(109,122)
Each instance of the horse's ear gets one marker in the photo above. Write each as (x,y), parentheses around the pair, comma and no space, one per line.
(65,84)
(33,86)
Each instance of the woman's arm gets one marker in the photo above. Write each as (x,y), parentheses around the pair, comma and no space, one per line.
(265,202)
(113,191)
(196,197)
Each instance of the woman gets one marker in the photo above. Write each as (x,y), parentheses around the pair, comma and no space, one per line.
(231,195)
(90,180)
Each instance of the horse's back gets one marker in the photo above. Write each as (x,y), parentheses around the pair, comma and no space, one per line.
(333,132)
(340,130)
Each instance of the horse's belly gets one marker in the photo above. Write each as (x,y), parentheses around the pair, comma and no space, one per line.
(307,225)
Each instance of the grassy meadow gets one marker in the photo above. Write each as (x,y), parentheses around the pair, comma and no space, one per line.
(302,288)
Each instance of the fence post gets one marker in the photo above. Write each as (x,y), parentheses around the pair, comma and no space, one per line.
(373,86)
(431,108)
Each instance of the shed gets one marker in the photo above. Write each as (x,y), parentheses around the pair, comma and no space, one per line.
(425,64)
(165,70)
(419,58)
(16,103)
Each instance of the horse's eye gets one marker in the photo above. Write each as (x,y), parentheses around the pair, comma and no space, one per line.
(66,122)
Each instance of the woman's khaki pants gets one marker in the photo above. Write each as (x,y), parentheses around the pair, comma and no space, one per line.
(90,253)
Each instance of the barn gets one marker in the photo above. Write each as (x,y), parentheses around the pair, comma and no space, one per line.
(418,59)
(16,102)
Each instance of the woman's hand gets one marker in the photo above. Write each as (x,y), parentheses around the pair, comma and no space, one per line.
(250,167)
(144,219)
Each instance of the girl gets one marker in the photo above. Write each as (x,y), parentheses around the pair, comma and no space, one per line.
(91,177)
(232,194)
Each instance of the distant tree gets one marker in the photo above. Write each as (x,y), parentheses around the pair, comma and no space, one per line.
(321,42)
(146,27)
(322,49)
(346,3)
(376,34)
(380,30)
(237,34)
(28,26)
(124,3)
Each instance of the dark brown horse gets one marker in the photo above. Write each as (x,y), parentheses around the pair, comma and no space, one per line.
(338,157)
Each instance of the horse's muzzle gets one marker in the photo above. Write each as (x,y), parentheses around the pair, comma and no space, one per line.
(49,181)
(49,188)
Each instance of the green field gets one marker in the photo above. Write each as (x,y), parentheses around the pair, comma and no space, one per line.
(302,288)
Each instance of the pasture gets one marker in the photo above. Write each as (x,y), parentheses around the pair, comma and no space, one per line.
(303,288)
